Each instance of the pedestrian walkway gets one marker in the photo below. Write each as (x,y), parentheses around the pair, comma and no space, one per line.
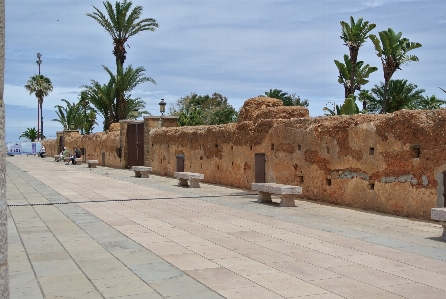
(76,232)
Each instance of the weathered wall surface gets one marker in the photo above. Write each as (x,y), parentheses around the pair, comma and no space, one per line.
(386,163)
(99,146)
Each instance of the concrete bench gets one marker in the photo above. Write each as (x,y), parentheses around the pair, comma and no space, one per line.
(193,178)
(288,194)
(91,163)
(141,171)
(56,158)
(440,215)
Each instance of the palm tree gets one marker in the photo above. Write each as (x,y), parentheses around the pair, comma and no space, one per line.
(126,81)
(122,22)
(287,99)
(393,54)
(40,86)
(401,95)
(429,103)
(87,117)
(102,97)
(31,134)
(354,36)
(136,104)
(361,73)
(68,115)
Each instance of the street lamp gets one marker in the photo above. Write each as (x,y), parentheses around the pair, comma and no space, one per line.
(162,110)
(39,62)
(135,113)
(162,107)
(39,111)
(71,126)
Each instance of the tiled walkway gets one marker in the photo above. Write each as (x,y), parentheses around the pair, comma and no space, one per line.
(76,232)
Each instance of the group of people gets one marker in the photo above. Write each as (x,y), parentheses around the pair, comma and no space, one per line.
(65,154)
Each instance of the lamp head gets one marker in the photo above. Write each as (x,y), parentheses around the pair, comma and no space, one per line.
(135,113)
(162,106)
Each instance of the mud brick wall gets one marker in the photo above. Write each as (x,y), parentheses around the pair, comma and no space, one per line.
(95,145)
(390,163)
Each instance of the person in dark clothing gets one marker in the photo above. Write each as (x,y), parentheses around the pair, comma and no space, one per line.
(76,154)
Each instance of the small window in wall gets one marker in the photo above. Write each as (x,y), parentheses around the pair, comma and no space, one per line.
(299,147)
(328,150)
(250,147)
(300,179)
(232,147)
(416,150)
(218,167)
(272,146)
(328,181)
(371,186)
(216,145)
(371,151)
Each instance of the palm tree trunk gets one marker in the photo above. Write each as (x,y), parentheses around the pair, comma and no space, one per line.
(41,119)
(38,120)
(386,87)
(353,57)
(4,274)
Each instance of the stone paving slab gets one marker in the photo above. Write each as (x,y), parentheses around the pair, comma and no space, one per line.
(110,235)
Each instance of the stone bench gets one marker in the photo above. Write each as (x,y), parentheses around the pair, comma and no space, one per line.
(288,194)
(78,161)
(440,215)
(56,158)
(91,163)
(141,171)
(193,178)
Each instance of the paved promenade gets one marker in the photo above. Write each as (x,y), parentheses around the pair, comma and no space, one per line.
(76,232)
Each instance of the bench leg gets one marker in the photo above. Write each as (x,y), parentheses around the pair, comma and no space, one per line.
(194,184)
(182,182)
(144,174)
(137,174)
(264,197)
(91,165)
(443,236)
(287,200)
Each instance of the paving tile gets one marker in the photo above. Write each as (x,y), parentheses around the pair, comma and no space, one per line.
(350,288)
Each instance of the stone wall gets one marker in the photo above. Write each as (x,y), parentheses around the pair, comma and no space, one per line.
(99,146)
(390,163)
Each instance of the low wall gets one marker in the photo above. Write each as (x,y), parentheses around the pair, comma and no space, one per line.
(389,163)
(98,146)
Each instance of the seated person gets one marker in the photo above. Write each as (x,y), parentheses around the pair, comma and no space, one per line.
(42,151)
(76,154)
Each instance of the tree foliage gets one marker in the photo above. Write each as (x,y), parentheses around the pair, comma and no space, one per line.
(392,49)
(361,74)
(287,99)
(428,103)
(31,134)
(354,35)
(40,86)
(194,110)
(400,95)
(122,22)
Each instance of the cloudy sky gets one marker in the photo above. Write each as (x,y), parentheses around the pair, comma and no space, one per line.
(239,49)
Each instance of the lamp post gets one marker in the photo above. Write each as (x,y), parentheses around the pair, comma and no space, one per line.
(162,110)
(71,126)
(39,62)
(135,113)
